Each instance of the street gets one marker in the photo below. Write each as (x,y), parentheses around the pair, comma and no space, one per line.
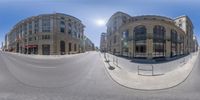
(87,79)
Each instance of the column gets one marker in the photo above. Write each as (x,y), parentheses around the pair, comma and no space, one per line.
(168,43)
(149,41)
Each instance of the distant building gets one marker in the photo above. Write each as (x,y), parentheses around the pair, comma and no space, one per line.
(103,45)
(195,44)
(89,46)
(47,34)
(6,43)
(149,36)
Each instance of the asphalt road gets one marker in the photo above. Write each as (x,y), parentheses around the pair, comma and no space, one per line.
(88,81)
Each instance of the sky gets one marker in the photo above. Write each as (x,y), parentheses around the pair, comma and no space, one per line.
(95,13)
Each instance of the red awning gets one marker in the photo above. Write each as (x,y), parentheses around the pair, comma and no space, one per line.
(31,46)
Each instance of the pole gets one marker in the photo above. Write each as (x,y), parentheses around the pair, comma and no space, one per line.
(152,70)
(117,61)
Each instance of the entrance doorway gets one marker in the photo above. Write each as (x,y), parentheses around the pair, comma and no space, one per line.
(62,47)
(46,49)
(70,47)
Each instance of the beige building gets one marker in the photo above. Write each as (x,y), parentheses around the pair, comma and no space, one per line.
(89,46)
(103,44)
(47,34)
(149,36)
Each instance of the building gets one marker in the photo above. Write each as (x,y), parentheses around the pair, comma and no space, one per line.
(195,44)
(149,36)
(103,44)
(47,34)
(89,46)
(6,43)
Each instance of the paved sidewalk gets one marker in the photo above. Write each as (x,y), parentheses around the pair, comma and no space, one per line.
(160,67)
(132,80)
(35,56)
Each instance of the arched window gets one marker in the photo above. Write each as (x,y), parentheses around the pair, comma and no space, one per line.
(159,41)
(140,41)
(173,43)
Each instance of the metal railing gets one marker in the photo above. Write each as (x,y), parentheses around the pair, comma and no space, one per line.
(146,72)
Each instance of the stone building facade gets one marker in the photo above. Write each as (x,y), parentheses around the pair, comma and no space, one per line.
(47,34)
(149,36)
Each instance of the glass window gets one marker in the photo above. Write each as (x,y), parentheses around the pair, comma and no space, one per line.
(159,41)
(74,47)
(45,37)
(125,35)
(36,24)
(46,27)
(62,26)
(140,33)
(29,39)
(69,32)
(173,43)
(140,41)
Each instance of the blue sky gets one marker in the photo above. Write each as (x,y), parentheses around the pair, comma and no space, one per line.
(12,11)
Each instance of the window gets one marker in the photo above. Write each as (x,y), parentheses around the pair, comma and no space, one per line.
(36,26)
(30,32)
(70,47)
(46,27)
(140,33)
(140,41)
(74,47)
(62,47)
(45,37)
(75,34)
(125,35)
(62,26)
(69,32)
(180,25)
(69,24)
(30,26)
(62,18)
(79,35)
(24,30)
(173,43)
(159,41)
(124,19)
(29,39)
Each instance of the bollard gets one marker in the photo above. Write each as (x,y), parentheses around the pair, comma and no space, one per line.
(104,55)
(117,61)
(138,69)
(152,70)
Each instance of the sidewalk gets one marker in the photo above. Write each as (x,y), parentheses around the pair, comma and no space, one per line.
(131,79)
(37,56)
